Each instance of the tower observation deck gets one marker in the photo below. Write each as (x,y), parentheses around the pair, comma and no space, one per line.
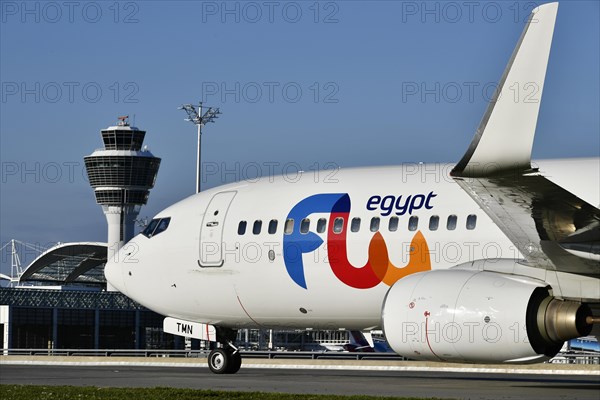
(122,174)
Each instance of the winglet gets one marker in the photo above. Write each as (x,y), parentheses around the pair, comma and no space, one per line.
(505,135)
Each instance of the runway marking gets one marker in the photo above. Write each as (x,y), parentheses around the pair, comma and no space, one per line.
(391,368)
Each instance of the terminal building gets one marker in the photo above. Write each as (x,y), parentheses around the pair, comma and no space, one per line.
(61,302)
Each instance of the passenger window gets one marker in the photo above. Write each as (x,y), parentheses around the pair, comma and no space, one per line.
(393,225)
(434,222)
(162,226)
(242,227)
(321,225)
(304,225)
(272,227)
(374,224)
(338,225)
(289,226)
(256,227)
(150,228)
(355,226)
(451,223)
(471,221)
(413,223)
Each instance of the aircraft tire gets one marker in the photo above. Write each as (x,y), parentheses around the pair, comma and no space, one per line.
(235,362)
(219,361)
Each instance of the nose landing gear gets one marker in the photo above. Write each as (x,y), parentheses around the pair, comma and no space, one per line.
(227,359)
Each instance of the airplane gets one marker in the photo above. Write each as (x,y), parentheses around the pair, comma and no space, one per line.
(584,344)
(495,259)
(358,342)
(364,342)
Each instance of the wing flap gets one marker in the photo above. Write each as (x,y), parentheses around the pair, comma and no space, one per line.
(551,227)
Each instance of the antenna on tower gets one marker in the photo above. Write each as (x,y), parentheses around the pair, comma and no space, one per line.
(200,119)
(123,120)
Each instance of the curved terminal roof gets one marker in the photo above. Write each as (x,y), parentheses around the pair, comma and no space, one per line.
(68,263)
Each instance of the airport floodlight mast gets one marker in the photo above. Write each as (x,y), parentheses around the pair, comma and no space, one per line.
(200,119)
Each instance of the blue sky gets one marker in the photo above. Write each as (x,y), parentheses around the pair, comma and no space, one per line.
(300,84)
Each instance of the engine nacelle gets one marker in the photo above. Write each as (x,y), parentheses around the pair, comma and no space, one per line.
(479,317)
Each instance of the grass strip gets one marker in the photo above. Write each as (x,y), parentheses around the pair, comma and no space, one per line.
(31,392)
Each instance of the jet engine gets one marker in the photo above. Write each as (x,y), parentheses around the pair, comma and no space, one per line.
(479,317)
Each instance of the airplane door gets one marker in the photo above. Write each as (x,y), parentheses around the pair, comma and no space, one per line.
(211,232)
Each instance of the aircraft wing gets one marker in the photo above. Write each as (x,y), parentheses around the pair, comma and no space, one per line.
(551,227)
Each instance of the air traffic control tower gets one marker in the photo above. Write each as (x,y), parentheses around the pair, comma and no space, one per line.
(122,174)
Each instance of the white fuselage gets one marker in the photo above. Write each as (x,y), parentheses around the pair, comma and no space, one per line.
(202,269)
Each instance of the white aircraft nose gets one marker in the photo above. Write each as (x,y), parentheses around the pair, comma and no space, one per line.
(114,277)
